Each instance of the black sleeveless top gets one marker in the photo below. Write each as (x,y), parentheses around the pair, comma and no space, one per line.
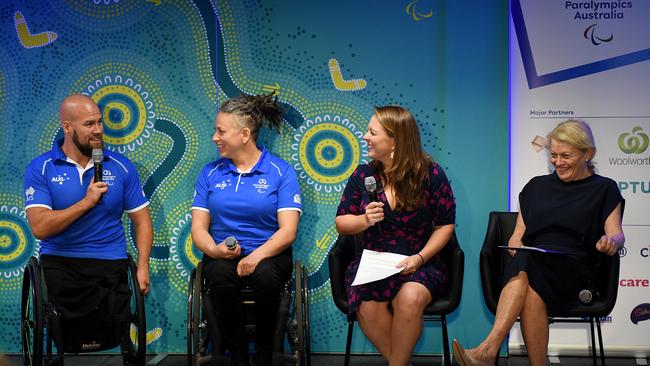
(568,216)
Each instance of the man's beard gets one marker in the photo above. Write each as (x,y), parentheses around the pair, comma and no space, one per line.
(86,149)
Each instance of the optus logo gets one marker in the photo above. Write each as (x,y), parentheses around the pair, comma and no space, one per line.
(633,143)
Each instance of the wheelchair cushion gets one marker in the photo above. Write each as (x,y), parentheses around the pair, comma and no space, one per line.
(89,333)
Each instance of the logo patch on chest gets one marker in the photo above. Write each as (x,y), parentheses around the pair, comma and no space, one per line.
(108,177)
(261,185)
(60,178)
(223,184)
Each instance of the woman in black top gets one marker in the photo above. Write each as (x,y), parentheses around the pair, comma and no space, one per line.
(572,211)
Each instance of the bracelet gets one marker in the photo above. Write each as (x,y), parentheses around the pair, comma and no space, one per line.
(421,258)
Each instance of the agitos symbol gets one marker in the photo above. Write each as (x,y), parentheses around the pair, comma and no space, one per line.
(590,34)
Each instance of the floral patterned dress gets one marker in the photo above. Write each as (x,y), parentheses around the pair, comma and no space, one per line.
(403,232)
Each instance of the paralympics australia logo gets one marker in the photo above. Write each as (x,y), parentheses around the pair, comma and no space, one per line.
(108,177)
(633,143)
(261,185)
(590,34)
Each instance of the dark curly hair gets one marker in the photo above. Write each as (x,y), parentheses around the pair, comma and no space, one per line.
(254,110)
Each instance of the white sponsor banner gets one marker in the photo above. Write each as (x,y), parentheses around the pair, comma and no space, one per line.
(589,60)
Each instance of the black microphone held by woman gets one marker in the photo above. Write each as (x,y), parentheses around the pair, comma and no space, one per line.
(371,188)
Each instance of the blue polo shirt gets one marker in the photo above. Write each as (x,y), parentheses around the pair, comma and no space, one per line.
(246,204)
(56,182)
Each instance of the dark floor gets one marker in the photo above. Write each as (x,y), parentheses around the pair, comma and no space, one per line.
(317,360)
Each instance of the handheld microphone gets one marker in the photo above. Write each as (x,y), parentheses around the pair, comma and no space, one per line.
(371,188)
(97,157)
(231,242)
(585,296)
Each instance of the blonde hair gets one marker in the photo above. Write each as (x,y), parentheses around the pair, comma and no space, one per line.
(577,134)
(411,164)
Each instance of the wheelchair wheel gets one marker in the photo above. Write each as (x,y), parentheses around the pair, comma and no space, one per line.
(197,331)
(301,305)
(32,308)
(138,351)
(190,317)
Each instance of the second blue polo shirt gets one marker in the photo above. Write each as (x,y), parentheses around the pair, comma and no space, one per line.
(246,204)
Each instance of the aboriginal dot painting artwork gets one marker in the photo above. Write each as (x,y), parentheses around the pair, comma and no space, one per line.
(158,69)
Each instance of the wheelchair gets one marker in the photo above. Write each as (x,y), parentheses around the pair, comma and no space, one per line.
(292,320)
(88,333)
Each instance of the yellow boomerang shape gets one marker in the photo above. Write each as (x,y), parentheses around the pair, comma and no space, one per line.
(29,40)
(152,335)
(339,82)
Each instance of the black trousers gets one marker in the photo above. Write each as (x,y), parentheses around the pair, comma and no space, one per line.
(224,286)
(79,285)
(89,301)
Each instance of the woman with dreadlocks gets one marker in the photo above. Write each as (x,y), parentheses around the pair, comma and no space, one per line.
(254,197)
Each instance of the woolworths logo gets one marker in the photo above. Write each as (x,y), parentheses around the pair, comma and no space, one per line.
(633,143)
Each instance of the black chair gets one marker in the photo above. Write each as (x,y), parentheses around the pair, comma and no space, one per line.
(493,261)
(204,338)
(41,325)
(344,251)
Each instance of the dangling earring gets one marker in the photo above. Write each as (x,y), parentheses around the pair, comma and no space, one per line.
(392,154)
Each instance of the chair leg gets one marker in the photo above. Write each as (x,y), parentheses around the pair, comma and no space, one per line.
(445,341)
(593,341)
(600,343)
(348,343)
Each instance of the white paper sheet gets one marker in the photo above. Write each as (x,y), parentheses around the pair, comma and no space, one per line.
(375,266)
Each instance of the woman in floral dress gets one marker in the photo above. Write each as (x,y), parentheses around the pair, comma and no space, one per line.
(414,215)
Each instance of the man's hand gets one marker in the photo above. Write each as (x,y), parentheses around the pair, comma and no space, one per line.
(143,279)
(95,191)
(248,264)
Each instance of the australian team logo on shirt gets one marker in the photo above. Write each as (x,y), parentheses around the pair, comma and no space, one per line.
(261,185)
(60,178)
(223,184)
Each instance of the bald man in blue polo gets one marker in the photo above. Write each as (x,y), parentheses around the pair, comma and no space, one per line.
(79,221)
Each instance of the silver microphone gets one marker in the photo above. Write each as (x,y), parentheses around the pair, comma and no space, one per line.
(231,242)
(371,185)
(97,156)
(371,188)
